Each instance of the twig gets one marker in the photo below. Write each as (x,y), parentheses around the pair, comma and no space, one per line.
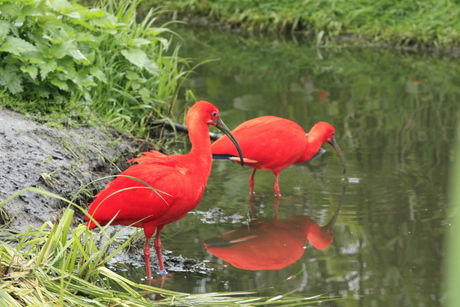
(179,127)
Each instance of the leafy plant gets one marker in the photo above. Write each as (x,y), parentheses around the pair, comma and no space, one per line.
(99,59)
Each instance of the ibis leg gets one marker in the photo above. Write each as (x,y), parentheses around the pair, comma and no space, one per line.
(276,185)
(251,182)
(147,258)
(157,244)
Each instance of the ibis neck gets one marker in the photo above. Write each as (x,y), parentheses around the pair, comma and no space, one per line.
(201,144)
(313,146)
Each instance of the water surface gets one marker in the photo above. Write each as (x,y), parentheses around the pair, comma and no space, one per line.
(394,114)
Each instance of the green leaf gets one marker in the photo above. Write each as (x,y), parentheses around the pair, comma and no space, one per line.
(131,75)
(60,84)
(17,46)
(145,94)
(31,70)
(61,50)
(86,81)
(95,13)
(152,68)
(98,74)
(61,5)
(11,9)
(77,55)
(164,42)
(66,66)
(11,79)
(137,42)
(46,68)
(4,29)
(135,56)
(135,86)
(74,15)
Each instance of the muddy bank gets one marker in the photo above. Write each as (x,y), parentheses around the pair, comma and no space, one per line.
(61,161)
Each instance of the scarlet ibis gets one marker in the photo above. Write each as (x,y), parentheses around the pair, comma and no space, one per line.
(161,189)
(274,143)
(271,243)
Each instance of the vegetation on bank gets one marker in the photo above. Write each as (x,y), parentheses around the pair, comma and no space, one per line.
(98,63)
(422,22)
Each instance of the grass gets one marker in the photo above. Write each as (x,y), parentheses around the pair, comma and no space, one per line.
(422,22)
(58,265)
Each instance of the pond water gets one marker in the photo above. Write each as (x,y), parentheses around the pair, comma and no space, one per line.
(395,114)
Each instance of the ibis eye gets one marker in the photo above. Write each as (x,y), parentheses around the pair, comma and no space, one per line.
(214,114)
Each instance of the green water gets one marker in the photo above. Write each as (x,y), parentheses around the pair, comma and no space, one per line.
(394,115)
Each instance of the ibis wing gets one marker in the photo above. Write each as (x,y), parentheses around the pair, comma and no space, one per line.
(271,141)
(143,193)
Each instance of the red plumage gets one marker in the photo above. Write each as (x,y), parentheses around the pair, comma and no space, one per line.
(274,143)
(165,188)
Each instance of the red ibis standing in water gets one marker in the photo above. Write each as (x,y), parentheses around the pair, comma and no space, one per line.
(274,143)
(161,189)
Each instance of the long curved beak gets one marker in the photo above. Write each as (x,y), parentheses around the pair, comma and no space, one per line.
(339,152)
(222,127)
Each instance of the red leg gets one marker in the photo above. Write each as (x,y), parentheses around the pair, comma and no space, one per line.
(147,258)
(157,244)
(276,185)
(251,182)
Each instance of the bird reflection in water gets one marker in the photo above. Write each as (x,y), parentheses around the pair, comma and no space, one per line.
(271,243)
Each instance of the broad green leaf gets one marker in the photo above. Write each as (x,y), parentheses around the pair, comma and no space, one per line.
(4,29)
(135,86)
(77,55)
(59,51)
(164,42)
(74,15)
(60,5)
(135,56)
(137,42)
(145,94)
(86,81)
(10,9)
(95,13)
(11,79)
(17,46)
(31,70)
(98,74)
(46,68)
(60,84)
(67,67)
(83,24)
(131,75)
(152,68)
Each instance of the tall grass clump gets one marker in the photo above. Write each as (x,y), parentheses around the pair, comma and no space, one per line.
(58,264)
(422,22)
(100,61)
